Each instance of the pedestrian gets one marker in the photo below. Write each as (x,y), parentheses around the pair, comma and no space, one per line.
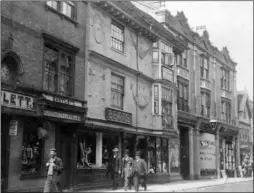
(54,168)
(126,169)
(114,167)
(140,172)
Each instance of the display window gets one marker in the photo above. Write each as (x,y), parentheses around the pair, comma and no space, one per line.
(151,159)
(32,149)
(165,156)
(129,143)
(174,154)
(158,156)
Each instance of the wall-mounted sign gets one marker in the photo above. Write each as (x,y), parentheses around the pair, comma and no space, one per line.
(167,74)
(118,116)
(207,151)
(13,129)
(61,115)
(62,100)
(15,100)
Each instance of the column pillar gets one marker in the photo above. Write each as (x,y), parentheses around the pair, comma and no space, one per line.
(196,153)
(99,149)
(237,156)
(217,146)
(191,154)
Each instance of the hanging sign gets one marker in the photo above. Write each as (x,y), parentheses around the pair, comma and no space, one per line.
(13,129)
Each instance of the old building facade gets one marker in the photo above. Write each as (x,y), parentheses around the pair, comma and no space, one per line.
(42,88)
(206,101)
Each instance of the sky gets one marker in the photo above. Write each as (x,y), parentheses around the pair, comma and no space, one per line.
(229,23)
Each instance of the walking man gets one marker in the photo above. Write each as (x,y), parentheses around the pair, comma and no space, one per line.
(126,169)
(114,169)
(54,167)
(140,169)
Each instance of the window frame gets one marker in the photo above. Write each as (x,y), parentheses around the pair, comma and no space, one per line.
(156,100)
(167,100)
(118,92)
(204,72)
(59,9)
(117,40)
(182,102)
(225,79)
(58,69)
(226,115)
(206,107)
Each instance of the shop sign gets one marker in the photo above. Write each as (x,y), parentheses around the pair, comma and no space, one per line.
(15,100)
(118,116)
(207,151)
(62,100)
(61,115)
(167,74)
(13,129)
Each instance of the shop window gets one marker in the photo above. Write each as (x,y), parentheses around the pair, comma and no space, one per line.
(117,36)
(174,166)
(151,160)
(166,105)
(129,143)
(141,146)
(109,142)
(58,71)
(155,57)
(65,7)
(158,156)
(32,150)
(205,104)
(164,156)
(117,91)
(86,150)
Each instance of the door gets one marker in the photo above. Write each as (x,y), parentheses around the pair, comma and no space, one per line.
(184,153)
(65,155)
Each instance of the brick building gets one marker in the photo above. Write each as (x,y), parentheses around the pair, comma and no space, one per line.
(206,101)
(42,88)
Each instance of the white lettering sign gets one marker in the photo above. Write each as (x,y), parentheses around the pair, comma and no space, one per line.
(61,100)
(62,115)
(207,151)
(14,100)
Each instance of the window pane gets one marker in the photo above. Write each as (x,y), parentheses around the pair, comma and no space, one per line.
(155,56)
(117,91)
(68,9)
(158,155)
(162,58)
(65,74)
(174,155)
(151,161)
(117,36)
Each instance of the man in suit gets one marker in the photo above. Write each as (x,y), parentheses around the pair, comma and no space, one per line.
(140,170)
(54,167)
(114,167)
(126,169)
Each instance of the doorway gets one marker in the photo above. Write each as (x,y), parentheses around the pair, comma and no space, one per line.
(184,153)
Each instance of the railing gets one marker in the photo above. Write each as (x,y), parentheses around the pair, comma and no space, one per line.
(205,83)
(183,72)
(226,94)
(167,121)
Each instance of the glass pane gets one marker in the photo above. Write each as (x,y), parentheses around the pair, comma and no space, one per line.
(155,56)
(158,156)
(151,161)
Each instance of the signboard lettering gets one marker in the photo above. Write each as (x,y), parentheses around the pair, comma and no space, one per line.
(118,116)
(62,115)
(62,100)
(14,100)
(13,129)
(207,151)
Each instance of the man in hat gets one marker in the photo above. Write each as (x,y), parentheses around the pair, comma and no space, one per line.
(126,169)
(54,167)
(114,167)
(140,170)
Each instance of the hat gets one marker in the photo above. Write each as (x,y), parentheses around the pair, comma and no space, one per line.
(138,153)
(126,152)
(52,149)
(115,149)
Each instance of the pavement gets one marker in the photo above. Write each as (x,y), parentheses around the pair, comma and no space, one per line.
(181,186)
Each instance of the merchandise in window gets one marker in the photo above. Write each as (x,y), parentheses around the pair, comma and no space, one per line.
(174,155)
(117,91)
(117,36)
(53,60)
(109,142)
(151,160)
(32,150)
(65,7)
(86,150)
(158,156)
(129,143)
(165,156)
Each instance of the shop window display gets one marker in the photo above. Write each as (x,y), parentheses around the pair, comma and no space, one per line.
(151,160)
(158,156)
(164,155)
(86,150)
(32,149)
(174,156)
(129,143)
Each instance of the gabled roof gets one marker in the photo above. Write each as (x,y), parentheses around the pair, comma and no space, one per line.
(243,102)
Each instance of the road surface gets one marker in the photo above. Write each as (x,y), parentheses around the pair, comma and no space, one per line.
(232,187)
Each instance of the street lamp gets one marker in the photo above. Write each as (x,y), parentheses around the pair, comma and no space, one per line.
(213,124)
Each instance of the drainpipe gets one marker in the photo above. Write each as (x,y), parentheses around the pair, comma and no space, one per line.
(137,94)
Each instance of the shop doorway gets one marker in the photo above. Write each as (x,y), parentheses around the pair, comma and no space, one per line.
(184,153)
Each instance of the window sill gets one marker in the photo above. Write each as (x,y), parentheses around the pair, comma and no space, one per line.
(223,89)
(119,52)
(62,15)
(31,176)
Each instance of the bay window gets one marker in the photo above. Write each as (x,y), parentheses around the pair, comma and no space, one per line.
(166,56)
(156,99)
(166,104)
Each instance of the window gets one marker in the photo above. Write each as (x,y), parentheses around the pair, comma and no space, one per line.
(155,44)
(65,7)
(226,111)
(174,155)
(204,68)
(151,160)
(158,155)
(129,143)
(166,57)
(155,56)
(205,104)
(32,150)
(117,37)
(166,105)
(224,79)
(182,97)
(117,91)
(156,99)
(86,150)
(58,71)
